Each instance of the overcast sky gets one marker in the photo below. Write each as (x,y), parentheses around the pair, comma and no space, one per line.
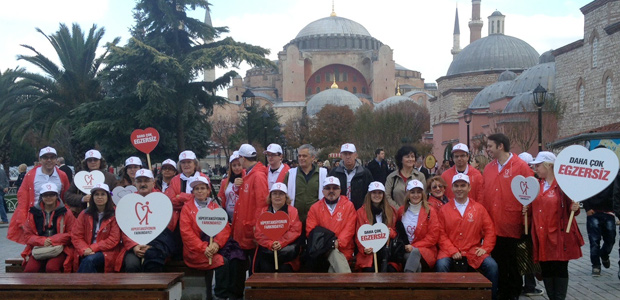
(419,32)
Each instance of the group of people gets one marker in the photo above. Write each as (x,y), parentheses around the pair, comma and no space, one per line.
(463,220)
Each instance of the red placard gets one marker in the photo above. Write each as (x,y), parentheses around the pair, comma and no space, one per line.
(145,140)
(273,225)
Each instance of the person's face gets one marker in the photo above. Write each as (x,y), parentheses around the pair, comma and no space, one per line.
(48,161)
(348,158)
(408,160)
(145,185)
(236,167)
(460,189)
(188,167)
(168,171)
(446,164)
(381,155)
(93,164)
(49,198)
(131,170)
(100,197)
(437,189)
(201,191)
(376,197)
(304,158)
(460,159)
(474,163)
(320,164)
(278,198)
(274,159)
(415,196)
(331,192)
(541,171)
(493,149)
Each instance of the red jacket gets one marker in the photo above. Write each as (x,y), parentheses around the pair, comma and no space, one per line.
(293,232)
(435,203)
(475,180)
(194,246)
(550,213)
(222,193)
(32,237)
(282,174)
(252,200)
(503,207)
(107,241)
(366,260)
(25,200)
(464,234)
(174,192)
(341,223)
(426,234)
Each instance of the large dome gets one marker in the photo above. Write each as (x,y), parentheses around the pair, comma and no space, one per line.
(494,52)
(333,96)
(334,34)
(392,101)
(333,26)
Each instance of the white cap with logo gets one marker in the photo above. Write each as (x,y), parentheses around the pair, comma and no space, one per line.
(196,180)
(460,177)
(331,180)
(92,154)
(274,148)
(544,156)
(460,147)
(47,150)
(187,154)
(376,186)
(48,188)
(278,186)
(415,184)
(145,173)
(134,160)
(247,150)
(169,162)
(526,157)
(348,147)
(100,186)
(233,156)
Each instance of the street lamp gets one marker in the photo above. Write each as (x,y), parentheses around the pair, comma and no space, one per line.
(248,104)
(540,95)
(467,115)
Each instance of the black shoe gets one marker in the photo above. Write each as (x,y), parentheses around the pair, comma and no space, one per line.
(606,262)
(535,292)
(596,271)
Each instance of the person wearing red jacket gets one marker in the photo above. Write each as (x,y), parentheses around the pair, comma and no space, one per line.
(49,224)
(179,190)
(96,236)
(337,214)
(505,211)
(420,224)
(229,187)
(28,194)
(286,246)
(277,170)
(460,156)
(436,196)
(552,246)
(466,232)
(375,209)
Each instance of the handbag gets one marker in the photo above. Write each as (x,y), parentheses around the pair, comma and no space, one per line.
(47,252)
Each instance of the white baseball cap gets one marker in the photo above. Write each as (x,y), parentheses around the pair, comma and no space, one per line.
(460,147)
(526,157)
(92,154)
(544,156)
(415,184)
(169,162)
(194,181)
(187,154)
(233,156)
(47,150)
(48,188)
(274,148)
(348,147)
(247,150)
(100,186)
(134,160)
(461,177)
(376,186)
(278,186)
(144,173)
(331,180)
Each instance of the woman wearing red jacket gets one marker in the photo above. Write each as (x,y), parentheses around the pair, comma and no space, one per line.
(436,192)
(420,224)
(552,246)
(229,188)
(375,209)
(48,225)
(179,190)
(96,236)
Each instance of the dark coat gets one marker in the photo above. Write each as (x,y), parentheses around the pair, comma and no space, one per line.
(359,183)
(379,172)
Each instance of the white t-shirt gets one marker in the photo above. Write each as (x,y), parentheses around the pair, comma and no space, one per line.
(272,177)
(41,179)
(410,220)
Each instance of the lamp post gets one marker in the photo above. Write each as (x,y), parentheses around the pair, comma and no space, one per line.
(540,95)
(265,116)
(248,103)
(467,115)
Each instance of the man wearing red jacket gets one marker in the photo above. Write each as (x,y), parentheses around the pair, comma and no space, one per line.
(28,194)
(335,213)
(277,170)
(460,155)
(505,211)
(464,224)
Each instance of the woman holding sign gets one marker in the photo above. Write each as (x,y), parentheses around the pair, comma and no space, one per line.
(96,236)
(375,209)
(553,247)
(267,236)
(93,161)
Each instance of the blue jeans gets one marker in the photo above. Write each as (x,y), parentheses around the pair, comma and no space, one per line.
(3,215)
(488,268)
(92,264)
(601,225)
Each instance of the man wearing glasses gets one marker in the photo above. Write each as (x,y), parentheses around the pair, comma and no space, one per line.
(277,170)
(460,155)
(28,194)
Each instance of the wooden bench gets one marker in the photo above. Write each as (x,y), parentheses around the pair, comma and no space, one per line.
(143,286)
(383,286)
(13,265)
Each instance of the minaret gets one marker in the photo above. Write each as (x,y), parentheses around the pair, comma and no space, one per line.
(209,73)
(456,41)
(496,23)
(475,25)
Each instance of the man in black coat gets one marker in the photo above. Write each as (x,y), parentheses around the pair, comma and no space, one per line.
(65,168)
(354,178)
(378,167)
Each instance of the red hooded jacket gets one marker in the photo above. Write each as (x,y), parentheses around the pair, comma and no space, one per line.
(475,180)
(366,260)
(252,200)
(107,241)
(341,223)
(426,234)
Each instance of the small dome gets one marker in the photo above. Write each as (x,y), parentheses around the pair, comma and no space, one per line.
(333,26)
(496,13)
(494,52)
(521,103)
(546,57)
(392,101)
(336,97)
(543,74)
(490,93)
(507,76)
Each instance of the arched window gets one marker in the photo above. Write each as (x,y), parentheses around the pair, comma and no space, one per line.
(608,92)
(595,52)
(237,98)
(582,97)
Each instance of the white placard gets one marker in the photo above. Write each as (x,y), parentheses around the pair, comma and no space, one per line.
(373,236)
(525,189)
(142,219)
(211,221)
(120,192)
(85,181)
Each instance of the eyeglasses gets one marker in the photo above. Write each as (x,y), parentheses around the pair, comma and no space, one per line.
(331,188)
(91,160)
(48,157)
(437,187)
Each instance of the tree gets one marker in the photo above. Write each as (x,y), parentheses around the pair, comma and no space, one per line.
(264,127)
(297,131)
(332,126)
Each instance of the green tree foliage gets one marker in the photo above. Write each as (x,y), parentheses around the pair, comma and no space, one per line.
(264,128)
(331,126)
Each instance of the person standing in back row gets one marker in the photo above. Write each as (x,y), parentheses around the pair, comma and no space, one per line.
(354,178)
(460,155)
(378,167)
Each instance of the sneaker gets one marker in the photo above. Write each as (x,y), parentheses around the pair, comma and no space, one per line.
(535,292)
(606,262)
(596,272)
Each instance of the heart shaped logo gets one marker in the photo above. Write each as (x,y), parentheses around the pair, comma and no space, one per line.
(145,140)
(119,192)
(525,189)
(274,226)
(85,181)
(211,221)
(373,236)
(142,219)
(582,174)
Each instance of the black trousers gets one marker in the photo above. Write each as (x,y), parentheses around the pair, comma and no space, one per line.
(554,269)
(510,280)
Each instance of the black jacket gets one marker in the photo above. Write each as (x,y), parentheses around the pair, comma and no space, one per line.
(359,183)
(379,173)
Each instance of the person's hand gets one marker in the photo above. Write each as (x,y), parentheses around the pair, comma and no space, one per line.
(574,206)
(212,249)
(139,250)
(6,190)
(480,252)
(238,181)
(524,210)
(86,198)
(88,252)
(367,251)
(408,248)
(589,212)
(48,242)
(336,244)
(276,246)
(457,256)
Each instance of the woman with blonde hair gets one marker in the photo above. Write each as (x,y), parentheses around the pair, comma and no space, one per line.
(479,162)
(436,192)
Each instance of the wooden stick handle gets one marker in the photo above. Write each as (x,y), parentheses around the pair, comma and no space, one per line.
(210,241)
(570,221)
(376,263)
(148,159)
(275,258)
(525,223)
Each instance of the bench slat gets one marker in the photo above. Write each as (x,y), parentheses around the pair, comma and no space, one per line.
(378,294)
(107,281)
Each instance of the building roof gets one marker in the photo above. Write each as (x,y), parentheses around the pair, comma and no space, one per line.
(333,26)
(332,96)
(392,101)
(490,93)
(543,74)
